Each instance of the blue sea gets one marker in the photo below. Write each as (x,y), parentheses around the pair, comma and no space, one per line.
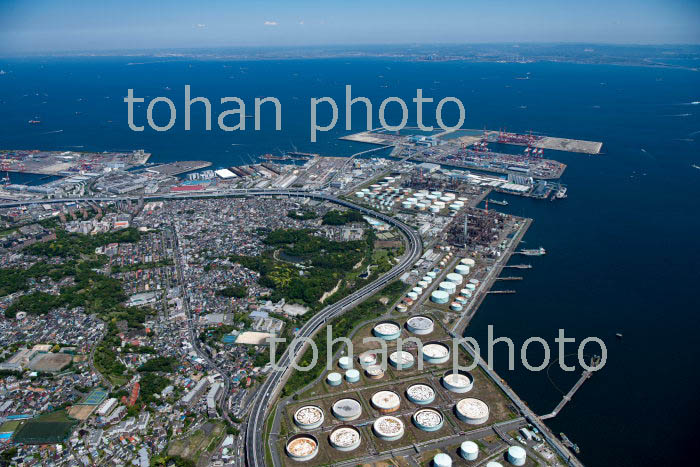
(623,248)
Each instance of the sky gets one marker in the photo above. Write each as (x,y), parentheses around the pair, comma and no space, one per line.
(31,26)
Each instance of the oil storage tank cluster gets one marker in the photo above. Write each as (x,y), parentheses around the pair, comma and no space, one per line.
(345,438)
(436,352)
(309,417)
(388,428)
(469,450)
(420,394)
(420,325)
(386,401)
(302,447)
(472,411)
(347,409)
(458,382)
(387,330)
(401,360)
(428,419)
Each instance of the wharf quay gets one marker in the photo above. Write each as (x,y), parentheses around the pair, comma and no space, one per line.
(180,167)
(500,292)
(519,266)
(568,396)
(510,278)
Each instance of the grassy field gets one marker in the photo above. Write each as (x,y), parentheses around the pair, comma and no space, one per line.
(50,428)
(204,440)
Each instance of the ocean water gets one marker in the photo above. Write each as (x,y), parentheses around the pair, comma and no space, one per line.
(622,249)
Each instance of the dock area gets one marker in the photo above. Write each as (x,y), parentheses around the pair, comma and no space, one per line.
(180,167)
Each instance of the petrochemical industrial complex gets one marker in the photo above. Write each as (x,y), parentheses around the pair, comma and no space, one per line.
(140,299)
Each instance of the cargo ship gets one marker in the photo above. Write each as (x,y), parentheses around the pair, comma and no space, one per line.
(499,202)
(533,252)
(34,122)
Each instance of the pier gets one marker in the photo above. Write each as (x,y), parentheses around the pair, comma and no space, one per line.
(567,397)
(519,266)
(500,291)
(509,278)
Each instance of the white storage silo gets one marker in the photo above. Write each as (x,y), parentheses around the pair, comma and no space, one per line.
(454,277)
(436,353)
(368,358)
(386,401)
(448,287)
(439,296)
(442,460)
(374,372)
(428,419)
(517,455)
(352,376)
(420,325)
(334,379)
(468,262)
(345,438)
(302,447)
(401,360)
(388,428)
(472,411)
(469,450)
(458,382)
(347,410)
(420,394)
(345,362)
(463,269)
(456,306)
(308,417)
(387,330)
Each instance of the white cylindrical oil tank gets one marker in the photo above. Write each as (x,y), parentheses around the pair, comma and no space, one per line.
(448,287)
(420,325)
(456,306)
(412,295)
(368,358)
(345,362)
(334,379)
(420,394)
(454,207)
(406,204)
(423,284)
(436,193)
(517,455)
(434,209)
(386,401)
(458,382)
(445,199)
(417,289)
(374,372)
(470,286)
(466,292)
(469,450)
(401,360)
(468,262)
(308,417)
(439,296)
(360,194)
(494,464)
(401,308)
(454,277)
(442,460)
(463,269)
(345,438)
(472,411)
(388,428)
(432,274)
(302,447)
(428,419)
(461,300)
(436,353)
(347,410)
(352,376)
(427,279)
(387,330)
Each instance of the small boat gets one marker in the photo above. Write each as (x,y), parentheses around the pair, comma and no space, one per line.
(34,122)
(618,335)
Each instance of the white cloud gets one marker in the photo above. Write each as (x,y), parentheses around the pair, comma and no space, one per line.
(270,23)
(301,22)
(200,26)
